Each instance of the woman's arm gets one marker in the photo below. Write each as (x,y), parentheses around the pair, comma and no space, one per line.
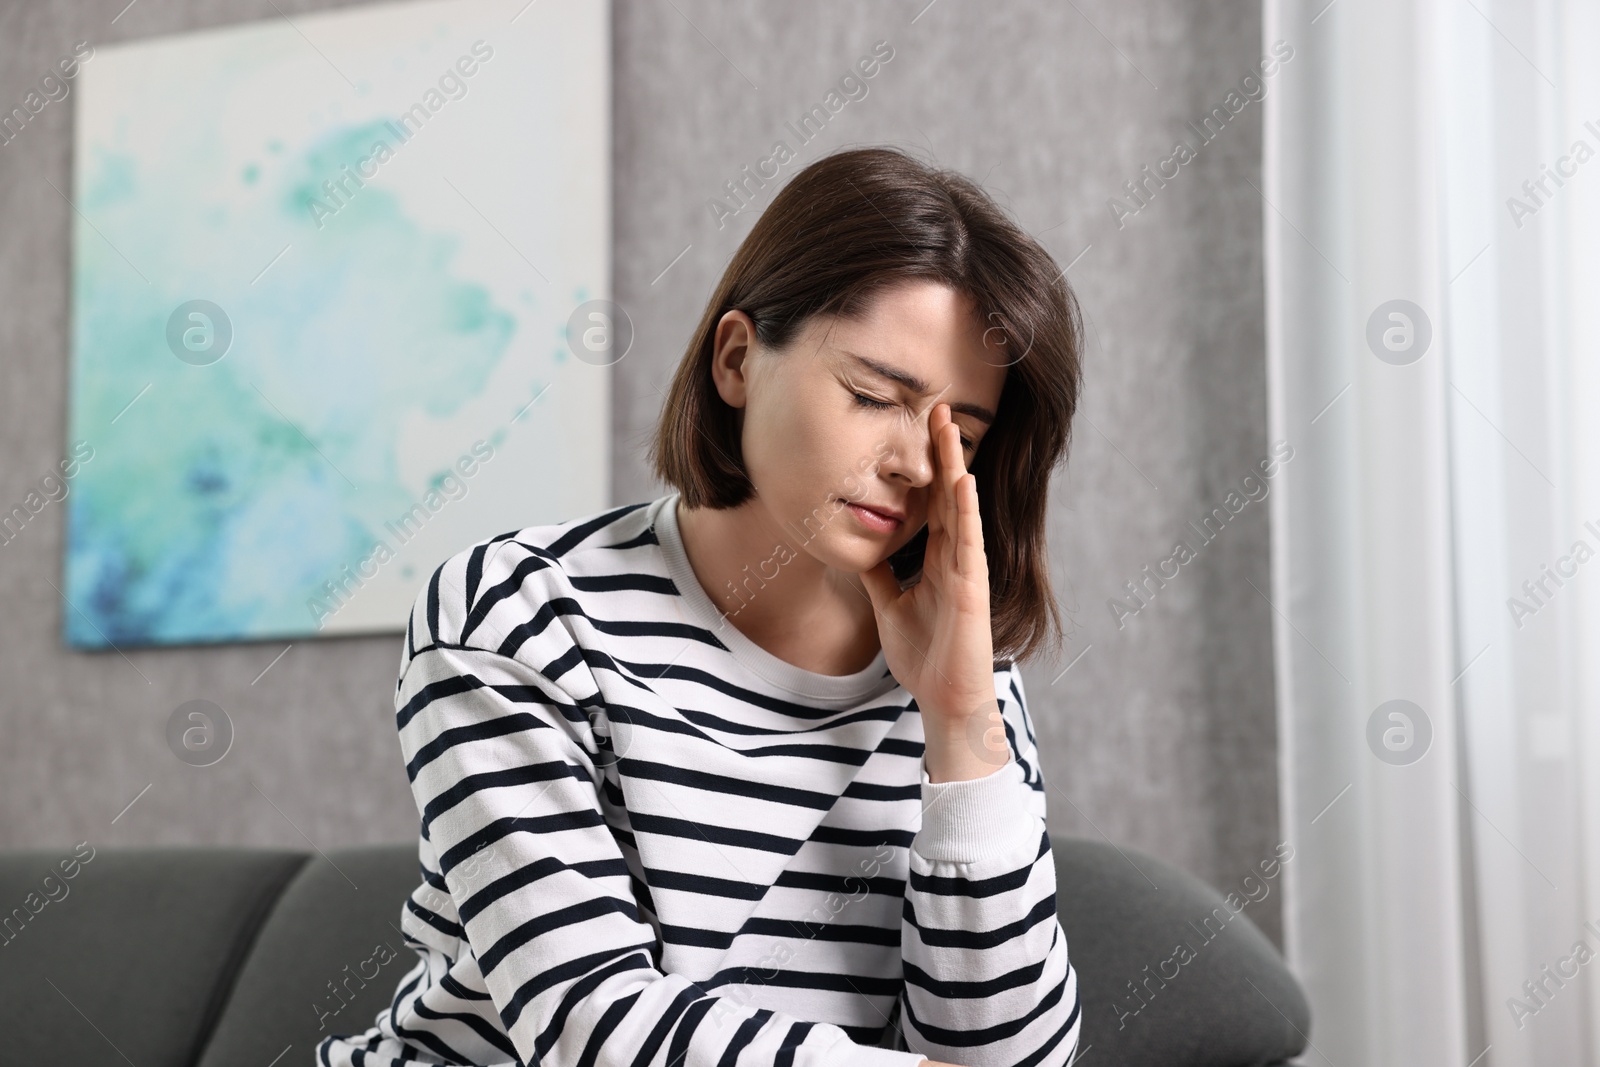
(987,976)
(987,979)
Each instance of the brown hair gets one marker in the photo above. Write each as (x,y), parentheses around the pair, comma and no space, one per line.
(843,229)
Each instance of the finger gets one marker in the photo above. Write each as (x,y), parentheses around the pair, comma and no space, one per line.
(952,469)
(940,516)
(971,562)
(946,478)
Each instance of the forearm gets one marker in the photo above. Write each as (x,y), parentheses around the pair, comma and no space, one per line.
(986,968)
(981,912)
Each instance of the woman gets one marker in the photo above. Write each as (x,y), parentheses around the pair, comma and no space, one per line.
(735,776)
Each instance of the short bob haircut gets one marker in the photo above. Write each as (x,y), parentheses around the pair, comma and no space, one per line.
(845,228)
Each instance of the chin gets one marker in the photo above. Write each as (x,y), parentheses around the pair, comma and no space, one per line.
(851,555)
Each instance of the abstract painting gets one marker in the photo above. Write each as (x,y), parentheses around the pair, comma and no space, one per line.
(340,308)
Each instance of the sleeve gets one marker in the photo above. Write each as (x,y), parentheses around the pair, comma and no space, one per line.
(507,768)
(987,978)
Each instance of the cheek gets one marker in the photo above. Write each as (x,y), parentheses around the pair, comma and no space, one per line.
(804,450)
(781,442)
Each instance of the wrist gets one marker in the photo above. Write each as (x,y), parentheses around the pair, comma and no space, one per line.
(962,758)
(972,746)
(949,712)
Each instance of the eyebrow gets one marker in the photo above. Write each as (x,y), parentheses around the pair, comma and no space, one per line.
(918,386)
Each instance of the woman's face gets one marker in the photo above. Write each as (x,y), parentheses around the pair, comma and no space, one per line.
(841,416)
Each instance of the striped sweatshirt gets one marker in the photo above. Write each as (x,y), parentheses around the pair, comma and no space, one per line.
(646,840)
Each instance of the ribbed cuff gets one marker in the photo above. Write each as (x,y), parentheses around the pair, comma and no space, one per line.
(976,819)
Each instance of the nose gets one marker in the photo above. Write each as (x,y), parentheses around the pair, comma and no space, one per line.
(910,453)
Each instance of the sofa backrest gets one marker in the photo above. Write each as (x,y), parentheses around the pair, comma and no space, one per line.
(327,960)
(129,958)
(172,957)
(220,957)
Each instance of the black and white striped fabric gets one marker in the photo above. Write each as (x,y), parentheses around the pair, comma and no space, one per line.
(645,840)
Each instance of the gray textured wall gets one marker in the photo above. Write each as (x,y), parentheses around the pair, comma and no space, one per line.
(1161,734)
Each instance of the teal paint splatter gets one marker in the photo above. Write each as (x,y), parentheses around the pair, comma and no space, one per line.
(218,503)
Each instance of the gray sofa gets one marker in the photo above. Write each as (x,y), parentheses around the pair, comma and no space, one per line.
(225,957)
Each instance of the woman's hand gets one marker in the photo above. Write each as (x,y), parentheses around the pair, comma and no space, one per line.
(936,636)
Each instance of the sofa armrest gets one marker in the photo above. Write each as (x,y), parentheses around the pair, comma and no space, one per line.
(1169,973)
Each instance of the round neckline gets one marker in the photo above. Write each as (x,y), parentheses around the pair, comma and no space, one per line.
(841,689)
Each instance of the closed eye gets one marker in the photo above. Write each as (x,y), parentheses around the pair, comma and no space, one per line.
(870,402)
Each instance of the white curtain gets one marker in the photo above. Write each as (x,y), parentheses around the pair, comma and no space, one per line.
(1431,202)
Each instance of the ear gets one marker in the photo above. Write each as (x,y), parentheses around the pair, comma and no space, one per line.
(732,343)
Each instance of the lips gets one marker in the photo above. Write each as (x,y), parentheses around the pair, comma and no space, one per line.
(888,513)
(883,522)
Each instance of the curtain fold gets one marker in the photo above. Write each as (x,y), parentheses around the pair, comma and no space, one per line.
(1430,255)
